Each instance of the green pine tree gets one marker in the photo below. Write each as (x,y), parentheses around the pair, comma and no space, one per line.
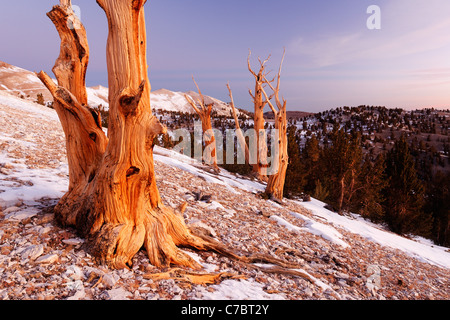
(295,175)
(438,205)
(310,157)
(405,193)
(341,167)
(370,194)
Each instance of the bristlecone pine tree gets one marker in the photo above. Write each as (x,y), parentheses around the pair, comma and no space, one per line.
(240,136)
(275,185)
(260,167)
(204,112)
(113,200)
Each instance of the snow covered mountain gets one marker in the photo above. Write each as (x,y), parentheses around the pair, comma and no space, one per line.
(338,257)
(175,101)
(23,83)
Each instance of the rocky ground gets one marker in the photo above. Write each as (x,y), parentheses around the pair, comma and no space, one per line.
(40,261)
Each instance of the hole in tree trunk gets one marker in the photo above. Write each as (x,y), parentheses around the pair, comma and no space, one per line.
(132,171)
(91,177)
(93,136)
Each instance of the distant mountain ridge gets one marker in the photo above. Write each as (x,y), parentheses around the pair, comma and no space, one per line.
(25,84)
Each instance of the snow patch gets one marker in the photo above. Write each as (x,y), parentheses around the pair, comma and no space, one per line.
(239,290)
(325,231)
(314,227)
(423,250)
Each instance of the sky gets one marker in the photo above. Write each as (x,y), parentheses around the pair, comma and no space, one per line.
(332,58)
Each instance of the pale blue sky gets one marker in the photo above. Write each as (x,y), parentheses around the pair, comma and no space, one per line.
(332,59)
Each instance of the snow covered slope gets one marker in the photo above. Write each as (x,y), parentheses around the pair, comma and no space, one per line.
(21,82)
(323,222)
(338,253)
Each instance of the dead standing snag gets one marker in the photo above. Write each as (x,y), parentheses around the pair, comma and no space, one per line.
(204,111)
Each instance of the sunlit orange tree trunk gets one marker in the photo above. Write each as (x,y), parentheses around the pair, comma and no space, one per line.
(113,200)
(260,167)
(277,178)
(204,112)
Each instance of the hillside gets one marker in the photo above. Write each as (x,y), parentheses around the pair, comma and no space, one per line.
(338,257)
(291,115)
(379,127)
(24,84)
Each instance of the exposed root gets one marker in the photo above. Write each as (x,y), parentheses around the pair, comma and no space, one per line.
(161,232)
(191,277)
(250,259)
(273,265)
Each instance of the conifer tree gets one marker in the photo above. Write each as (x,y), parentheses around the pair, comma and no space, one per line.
(310,158)
(295,175)
(370,195)
(438,205)
(341,162)
(404,193)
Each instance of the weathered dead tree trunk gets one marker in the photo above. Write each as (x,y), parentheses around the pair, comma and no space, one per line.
(260,167)
(113,200)
(239,134)
(85,140)
(204,112)
(275,185)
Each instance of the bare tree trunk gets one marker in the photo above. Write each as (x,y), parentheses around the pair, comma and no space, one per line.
(341,197)
(114,201)
(260,167)
(240,135)
(351,189)
(204,112)
(85,140)
(275,185)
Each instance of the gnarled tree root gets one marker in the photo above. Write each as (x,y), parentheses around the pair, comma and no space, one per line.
(192,277)
(272,264)
(160,231)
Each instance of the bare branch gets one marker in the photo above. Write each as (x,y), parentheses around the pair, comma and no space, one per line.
(277,89)
(209,108)
(251,94)
(155,127)
(269,102)
(60,94)
(233,108)
(249,66)
(65,3)
(192,103)
(202,102)
(265,61)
